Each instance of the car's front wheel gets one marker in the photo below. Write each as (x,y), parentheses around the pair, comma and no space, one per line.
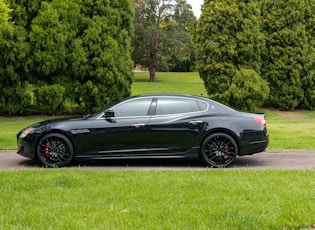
(218,150)
(54,150)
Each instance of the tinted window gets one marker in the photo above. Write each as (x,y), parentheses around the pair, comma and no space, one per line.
(137,107)
(215,107)
(175,105)
(202,105)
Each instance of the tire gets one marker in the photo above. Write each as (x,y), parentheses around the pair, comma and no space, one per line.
(54,150)
(218,150)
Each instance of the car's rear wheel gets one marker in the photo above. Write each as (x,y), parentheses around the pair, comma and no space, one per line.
(54,150)
(218,150)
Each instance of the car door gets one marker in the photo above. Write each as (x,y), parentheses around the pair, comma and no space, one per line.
(126,132)
(176,126)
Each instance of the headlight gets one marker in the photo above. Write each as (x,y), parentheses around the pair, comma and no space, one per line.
(26,132)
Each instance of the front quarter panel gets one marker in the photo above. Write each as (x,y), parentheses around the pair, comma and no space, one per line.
(77,130)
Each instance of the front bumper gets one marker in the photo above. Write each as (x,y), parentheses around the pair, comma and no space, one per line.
(26,146)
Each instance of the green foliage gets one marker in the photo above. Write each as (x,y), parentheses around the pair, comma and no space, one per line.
(4,13)
(284,54)
(83,46)
(308,74)
(70,107)
(22,99)
(13,50)
(52,30)
(163,35)
(50,98)
(248,90)
(273,38)
(228,42)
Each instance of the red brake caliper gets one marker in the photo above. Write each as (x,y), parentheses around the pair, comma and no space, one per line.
(227,152)
(47,150)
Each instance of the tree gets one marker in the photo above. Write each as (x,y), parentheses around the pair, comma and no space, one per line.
(308,73)
(4,13)
(6,31)
(285,51)
(228,44)
(161,32)
(79,48)
(182,31)
(14,50)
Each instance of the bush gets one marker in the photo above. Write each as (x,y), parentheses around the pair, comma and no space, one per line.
(70,107)
(50,98)
(248,90)
(55,44)
(20,100)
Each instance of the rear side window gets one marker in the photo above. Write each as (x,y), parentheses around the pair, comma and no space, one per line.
(175,105)
(202,105)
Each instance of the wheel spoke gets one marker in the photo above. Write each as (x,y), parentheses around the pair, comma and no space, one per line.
(219,150)
(55,151)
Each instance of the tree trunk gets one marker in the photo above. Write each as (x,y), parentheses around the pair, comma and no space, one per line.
(152,73)
(152,66)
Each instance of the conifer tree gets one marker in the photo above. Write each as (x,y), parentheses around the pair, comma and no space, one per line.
(283,59)
(228,42)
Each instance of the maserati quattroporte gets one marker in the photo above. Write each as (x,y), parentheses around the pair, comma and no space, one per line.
(149,126)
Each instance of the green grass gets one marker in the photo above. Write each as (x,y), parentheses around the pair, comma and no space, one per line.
(291,131)
(10,126)
(185,83)
(208,199)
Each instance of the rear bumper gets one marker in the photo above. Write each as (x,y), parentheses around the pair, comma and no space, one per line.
(253,142)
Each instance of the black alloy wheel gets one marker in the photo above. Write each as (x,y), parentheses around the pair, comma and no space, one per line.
(218,150)
(55,150)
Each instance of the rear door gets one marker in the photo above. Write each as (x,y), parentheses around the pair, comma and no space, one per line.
(177,125)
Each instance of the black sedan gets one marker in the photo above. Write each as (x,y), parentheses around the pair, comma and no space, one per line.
(149,126)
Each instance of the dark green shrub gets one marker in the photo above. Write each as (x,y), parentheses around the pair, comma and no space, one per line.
(50,98)
(248,90)
(19,100)
(53,44)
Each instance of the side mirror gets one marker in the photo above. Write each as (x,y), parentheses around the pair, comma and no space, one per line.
(109,114)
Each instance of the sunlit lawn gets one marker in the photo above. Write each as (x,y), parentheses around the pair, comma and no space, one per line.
(291,131)
(185,83)
(188,199)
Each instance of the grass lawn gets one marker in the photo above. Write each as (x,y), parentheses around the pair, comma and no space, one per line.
(183,83)
(188,199)
(291,130)
(208,199)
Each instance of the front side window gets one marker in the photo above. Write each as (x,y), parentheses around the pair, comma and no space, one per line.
(137,107)
(176,105)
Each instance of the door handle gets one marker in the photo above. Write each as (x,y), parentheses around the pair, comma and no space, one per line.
(195,122)
(138,125)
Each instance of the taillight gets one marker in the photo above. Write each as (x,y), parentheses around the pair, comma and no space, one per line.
(260,120)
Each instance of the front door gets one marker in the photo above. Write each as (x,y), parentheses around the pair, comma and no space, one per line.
(125,133)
